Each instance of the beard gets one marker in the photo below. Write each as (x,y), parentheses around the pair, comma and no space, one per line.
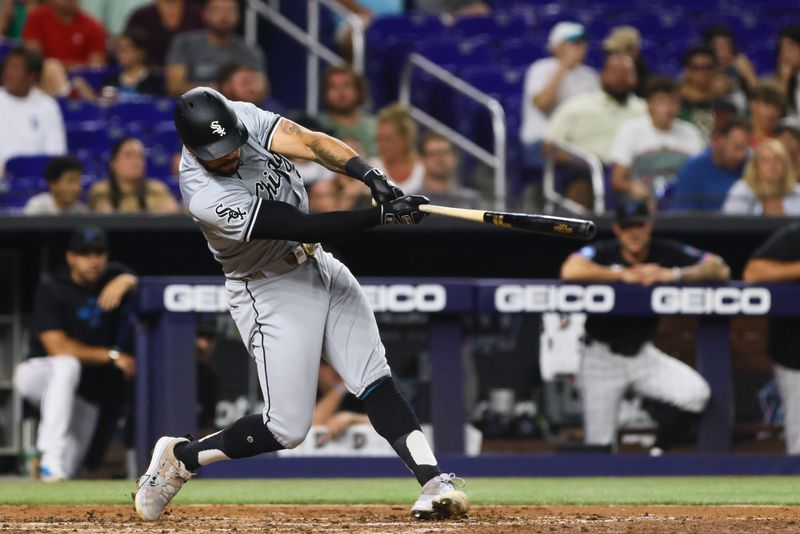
(620,96)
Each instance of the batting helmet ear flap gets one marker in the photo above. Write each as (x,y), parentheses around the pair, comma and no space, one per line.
(207,124)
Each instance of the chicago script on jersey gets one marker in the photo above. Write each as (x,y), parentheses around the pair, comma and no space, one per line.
(231,213)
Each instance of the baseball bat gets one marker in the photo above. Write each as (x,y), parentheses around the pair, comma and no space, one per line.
(538,224)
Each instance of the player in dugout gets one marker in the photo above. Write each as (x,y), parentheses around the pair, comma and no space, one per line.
(618,355)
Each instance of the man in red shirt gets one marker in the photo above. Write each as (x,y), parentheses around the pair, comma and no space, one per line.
(60,30)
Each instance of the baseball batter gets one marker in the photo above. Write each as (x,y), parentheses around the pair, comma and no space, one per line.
(292,301)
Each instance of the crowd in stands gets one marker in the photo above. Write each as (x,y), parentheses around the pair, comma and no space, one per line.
(718,135)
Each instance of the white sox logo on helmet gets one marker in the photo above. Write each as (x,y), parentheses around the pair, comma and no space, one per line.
(217,129)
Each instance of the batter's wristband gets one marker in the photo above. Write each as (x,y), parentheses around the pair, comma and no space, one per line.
(358,169)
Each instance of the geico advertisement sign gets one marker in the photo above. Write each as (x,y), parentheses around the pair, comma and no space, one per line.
(561,298)
(711,300)
(398,298)
(404,298)
(195,298)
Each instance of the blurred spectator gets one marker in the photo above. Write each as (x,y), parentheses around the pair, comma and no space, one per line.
(33,122)
(440,183)
(648,151)
(126,190)
(80,353)
(776,261)
(618,353)
(551,81)
(64,188)
(60,30)
(769,184)
(627,40)
(590,121)
(135,76)
(788,132)
(455,8)
(397,156)
(734,65)
(701,88)
(162,21)
(194,58)
(113,14)
(241,82)
(343,94)
(336,408)
(788,67)
(13,14)
(767,105)
(704,180)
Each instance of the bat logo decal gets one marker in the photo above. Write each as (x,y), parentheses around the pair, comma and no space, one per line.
(563,229)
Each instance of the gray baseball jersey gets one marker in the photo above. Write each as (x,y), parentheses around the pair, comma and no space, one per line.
(288,320)
(225,207)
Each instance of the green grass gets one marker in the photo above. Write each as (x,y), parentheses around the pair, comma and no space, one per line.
(648,490)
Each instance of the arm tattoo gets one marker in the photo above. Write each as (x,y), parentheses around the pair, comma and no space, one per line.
(328,151)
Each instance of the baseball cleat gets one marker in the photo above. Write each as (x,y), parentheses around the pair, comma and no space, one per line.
(52,473)
(164,478)
(441,499)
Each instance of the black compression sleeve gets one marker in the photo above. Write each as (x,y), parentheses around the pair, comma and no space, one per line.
(279,220)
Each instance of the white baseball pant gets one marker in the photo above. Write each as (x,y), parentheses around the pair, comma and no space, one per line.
(288,321)
(605,377)
(67,421)
(788,381)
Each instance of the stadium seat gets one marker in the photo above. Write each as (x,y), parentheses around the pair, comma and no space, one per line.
(94,76)
(79,110)
(456,52)
(499,25)
(21,167)
(164,137)
(521,52)
(91,136)
(145,110)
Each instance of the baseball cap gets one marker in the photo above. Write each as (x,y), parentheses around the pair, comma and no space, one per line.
(566,32)
(632,211)
(622,38)
(88,239)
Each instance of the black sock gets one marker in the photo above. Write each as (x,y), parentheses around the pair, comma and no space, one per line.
(392,418)
(246,437)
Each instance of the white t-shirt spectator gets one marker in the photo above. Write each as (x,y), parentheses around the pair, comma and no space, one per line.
(741,200)
(45,204)
(655,156)
(579,80)
(413,183)
(31,125)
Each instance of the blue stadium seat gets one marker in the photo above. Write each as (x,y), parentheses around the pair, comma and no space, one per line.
(144,110)
(456,52)
(164,137)
(501,24)
(23,167)
(94,76)
(495,80)
(91,136)
(79,110)
(521,52)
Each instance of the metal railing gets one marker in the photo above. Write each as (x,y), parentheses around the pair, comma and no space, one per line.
(497,160)
(553,198)
(309,38)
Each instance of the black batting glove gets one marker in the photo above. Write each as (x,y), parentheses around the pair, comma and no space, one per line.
(404,210)
(382,188)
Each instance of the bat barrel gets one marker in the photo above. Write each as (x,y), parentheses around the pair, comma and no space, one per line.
(544,224)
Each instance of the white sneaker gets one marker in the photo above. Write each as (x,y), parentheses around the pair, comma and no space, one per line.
(440,499)
(164,478)
(52,473)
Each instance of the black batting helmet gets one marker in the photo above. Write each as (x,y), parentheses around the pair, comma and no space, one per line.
(207,124)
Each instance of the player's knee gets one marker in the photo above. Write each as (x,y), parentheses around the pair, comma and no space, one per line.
(67,369)
(292,437)
(699,395)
